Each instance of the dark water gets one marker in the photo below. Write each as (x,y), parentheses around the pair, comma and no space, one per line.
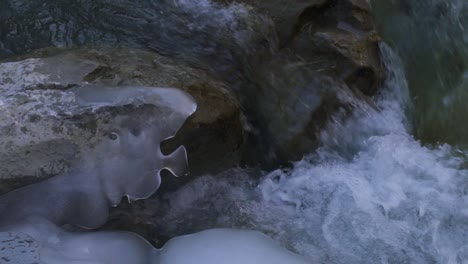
(432,40)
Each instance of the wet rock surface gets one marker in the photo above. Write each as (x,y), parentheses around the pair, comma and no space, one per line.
(270,55)
(43,126)
(267,76)
(335,37)
(325,56)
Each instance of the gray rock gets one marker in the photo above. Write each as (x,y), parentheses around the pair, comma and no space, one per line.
(36,107)
(264,51)
(45,125)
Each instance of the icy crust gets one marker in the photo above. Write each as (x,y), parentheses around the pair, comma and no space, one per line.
(18,248)
(215,246)
(50,116)
(126,162)
(227,246)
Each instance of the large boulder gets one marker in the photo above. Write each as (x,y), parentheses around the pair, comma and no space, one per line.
(326,59)
(336,37)
(43,129)
(339,38)
(290,63)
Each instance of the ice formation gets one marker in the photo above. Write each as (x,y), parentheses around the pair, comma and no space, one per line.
(226,246)
(127,162)
(215,246)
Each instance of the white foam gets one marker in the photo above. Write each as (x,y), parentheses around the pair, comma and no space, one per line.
(371,194)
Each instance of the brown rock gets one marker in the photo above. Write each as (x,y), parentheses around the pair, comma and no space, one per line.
(350,57)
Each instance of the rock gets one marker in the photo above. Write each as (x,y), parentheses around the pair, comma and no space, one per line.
(327,60)
(295,104)
(196,31)
(339,38)
(289,65)
(346,56)
(42,126)
(33,95)
(331,45)
(214,135)
(253,46)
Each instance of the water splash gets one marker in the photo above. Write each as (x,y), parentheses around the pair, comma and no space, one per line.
(431,38)
(370,194)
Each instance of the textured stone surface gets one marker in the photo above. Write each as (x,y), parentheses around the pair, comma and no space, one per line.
(38,139)
(267,75)
(44,130)
(325,59)
(271,55)
(214,135)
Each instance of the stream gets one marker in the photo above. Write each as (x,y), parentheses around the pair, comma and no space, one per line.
(388,182)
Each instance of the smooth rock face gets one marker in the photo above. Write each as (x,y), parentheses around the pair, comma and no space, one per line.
(45,125)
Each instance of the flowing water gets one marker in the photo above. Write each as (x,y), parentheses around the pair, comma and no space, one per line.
(389,184)
(432,39)
(371,194)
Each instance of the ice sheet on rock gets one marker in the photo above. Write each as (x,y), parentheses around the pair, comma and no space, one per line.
(227,246)
(49,116)
(18,248)
(98,248)
(127,162)
(174,105)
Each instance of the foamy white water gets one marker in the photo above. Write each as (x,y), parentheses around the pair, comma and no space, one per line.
(371,194)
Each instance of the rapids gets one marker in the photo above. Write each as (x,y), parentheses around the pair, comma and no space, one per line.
(389,181)
(371,194)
